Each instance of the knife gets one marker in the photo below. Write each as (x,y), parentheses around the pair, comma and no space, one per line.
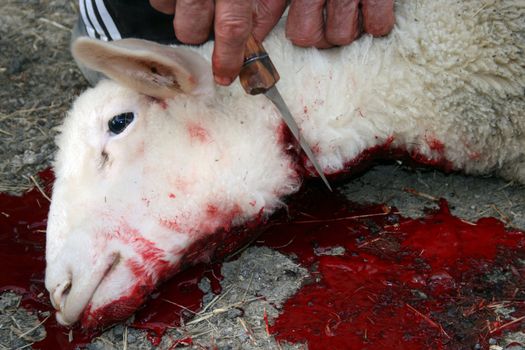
(259,76)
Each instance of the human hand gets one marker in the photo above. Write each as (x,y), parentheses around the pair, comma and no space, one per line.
(326,23)
(317,23)
(233,21)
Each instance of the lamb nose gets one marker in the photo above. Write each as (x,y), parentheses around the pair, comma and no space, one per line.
(59,295)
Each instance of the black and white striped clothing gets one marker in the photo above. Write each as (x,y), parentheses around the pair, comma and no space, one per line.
(116,19)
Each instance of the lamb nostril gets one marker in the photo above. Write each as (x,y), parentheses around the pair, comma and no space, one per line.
(116,260)
(59,295)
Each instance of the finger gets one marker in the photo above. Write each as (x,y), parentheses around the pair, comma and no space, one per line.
(164,6)
(266,15)
(305,24)
(193,20)
(378,16)
(342,21)
(233,25)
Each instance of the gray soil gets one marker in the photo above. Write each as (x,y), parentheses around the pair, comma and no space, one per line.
(39,80)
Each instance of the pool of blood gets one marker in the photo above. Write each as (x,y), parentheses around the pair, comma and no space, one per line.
(428,283)
(432,282)
(22,248)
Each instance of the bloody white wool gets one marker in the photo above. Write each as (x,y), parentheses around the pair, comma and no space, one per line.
(446,86)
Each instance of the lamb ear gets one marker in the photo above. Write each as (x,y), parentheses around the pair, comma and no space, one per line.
(153,69)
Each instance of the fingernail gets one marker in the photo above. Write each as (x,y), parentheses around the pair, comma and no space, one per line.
(222,80)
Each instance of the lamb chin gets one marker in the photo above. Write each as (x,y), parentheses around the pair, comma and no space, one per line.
(116,310)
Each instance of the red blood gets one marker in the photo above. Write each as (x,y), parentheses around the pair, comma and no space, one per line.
(22,248)
(198,133)
(181,342)
(212,210)
(22,243)
(368,157)
(435,144)
(218,218)
(145,282)
(163,104)
(215,277)
(176,300)
(365,158)
(172,225)
(384,152)
(402,283)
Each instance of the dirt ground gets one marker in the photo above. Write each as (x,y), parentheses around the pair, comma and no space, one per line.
(39,80)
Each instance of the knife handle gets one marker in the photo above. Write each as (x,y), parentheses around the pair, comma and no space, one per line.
(258,73)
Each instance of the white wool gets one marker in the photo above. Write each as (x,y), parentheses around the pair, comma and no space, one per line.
(456,76)
(446,85)
(451,72)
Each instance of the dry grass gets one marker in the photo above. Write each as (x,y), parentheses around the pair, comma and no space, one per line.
(39,80)
(19,329)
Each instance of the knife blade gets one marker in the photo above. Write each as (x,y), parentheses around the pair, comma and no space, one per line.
(258,75)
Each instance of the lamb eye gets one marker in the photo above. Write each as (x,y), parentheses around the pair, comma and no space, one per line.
(118,123)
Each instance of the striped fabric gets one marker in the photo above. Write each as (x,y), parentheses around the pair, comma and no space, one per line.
(117,19)
(99,24)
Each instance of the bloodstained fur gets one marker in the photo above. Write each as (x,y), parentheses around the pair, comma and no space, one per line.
(385,151)
(454,314)
(198,133)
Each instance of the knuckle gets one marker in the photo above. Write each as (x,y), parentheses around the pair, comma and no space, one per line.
(262,9)
(233,30)
(196,5)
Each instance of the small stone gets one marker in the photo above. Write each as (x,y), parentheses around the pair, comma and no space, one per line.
(492,341)
(9,301)
(207,298)
(205,285)
(290,273)
(419,294)
(44,314)
(29,157)
(234,313)
(118,331)
(131,338)
(97,345)
(16,65)
(338,250)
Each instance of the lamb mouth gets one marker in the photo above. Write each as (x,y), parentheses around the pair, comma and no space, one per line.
(60,315)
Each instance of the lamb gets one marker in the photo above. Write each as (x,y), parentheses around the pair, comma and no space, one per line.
(157,164)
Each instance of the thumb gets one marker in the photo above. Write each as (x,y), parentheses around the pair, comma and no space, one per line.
(233,25)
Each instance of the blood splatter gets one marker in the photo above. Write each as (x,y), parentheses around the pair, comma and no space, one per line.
(198,133)
(427,283)
(22,248)
(432,282)
(435,145)
(380,153)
